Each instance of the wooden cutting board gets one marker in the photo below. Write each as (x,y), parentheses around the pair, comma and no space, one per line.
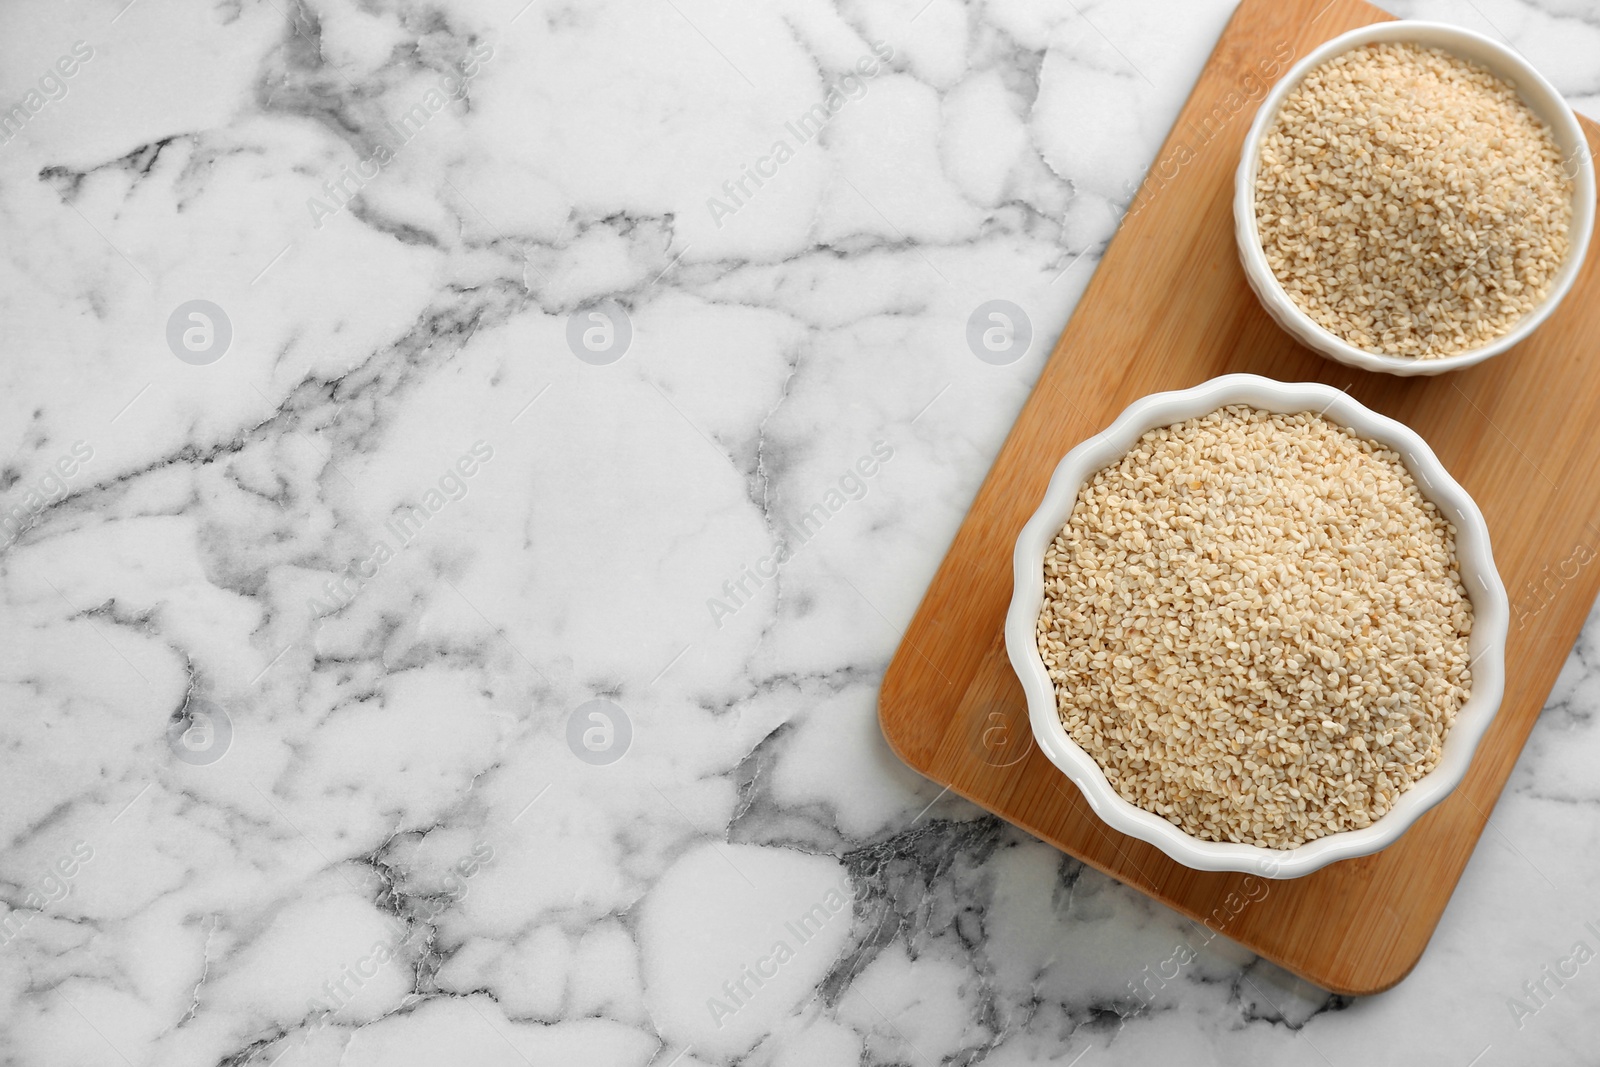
(1169,308)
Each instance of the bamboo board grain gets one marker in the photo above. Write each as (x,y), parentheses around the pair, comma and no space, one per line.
(1169,308)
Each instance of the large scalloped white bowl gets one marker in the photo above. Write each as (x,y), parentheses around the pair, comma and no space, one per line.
(1491,618)
(1536,92)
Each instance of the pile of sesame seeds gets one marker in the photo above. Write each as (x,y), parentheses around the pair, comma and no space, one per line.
(1255,624)
(1410,203)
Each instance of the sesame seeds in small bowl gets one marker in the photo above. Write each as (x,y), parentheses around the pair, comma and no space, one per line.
(1413,198)
(1258,625)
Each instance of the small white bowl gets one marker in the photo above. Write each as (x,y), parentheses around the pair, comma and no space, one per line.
(1491,617)
(1537,93)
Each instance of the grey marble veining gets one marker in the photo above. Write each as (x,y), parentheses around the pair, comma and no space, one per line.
(401,664)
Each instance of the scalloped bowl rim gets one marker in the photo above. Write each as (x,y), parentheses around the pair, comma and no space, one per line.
(1478,574)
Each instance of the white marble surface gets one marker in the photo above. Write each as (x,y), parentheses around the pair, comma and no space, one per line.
(397,858)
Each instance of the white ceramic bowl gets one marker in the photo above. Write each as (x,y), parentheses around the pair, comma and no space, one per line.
(1487,647)
(1537,93)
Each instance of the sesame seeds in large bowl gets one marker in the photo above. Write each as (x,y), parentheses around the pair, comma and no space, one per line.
(1219,622)
(1255,624)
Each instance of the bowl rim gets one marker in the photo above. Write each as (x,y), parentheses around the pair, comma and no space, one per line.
(1508,64)
(1491,620)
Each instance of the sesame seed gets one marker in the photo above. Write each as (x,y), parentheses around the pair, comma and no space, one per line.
(1410,203)
(1255,624)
